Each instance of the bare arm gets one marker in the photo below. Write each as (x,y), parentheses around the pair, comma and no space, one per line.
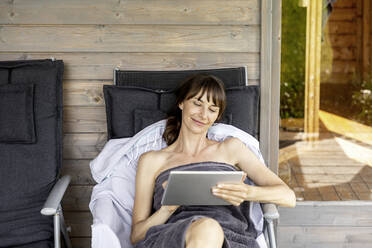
(270,188)
(141,219)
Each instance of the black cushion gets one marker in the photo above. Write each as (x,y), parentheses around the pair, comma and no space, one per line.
(29,171)
(130,109)
(168,80)
(120,105)
(144,118)
(243,104)
(17,113)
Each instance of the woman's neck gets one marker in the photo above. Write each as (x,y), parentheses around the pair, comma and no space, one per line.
(189,143)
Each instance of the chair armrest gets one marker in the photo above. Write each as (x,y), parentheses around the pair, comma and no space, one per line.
(270,211)
(55,196)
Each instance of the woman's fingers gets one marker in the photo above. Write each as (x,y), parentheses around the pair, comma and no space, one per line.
(164,184)
(235,200)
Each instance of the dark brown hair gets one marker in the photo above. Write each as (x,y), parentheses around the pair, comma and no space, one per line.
(189,88)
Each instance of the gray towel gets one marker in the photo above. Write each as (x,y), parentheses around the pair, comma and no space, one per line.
(238,229)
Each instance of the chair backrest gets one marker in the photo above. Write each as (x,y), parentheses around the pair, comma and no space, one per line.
(148,96)
(30,146)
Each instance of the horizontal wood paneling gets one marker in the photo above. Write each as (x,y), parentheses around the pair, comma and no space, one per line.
(100,66)
(93,37)
(83,145)
(330,237)
(342,27)
(343,14)
(344,53)
(345,4)
(347,40)
(79,222)
(81,242)
(83,93)
(79,171)
(77,198)
(190,12)
(129,38)
(84,119)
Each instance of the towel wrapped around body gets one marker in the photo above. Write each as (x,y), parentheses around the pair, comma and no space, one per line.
(235,222)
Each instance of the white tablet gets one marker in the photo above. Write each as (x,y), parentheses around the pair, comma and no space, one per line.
(195,187)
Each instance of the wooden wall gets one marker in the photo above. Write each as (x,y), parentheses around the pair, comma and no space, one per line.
(92,37)
(339,45)
(346,48)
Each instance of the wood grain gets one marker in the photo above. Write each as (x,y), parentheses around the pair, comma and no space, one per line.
(100,65)
(191,12)
(129,38)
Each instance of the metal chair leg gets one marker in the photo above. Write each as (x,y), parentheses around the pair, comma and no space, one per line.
(57,241)
(64,231)
(271,233)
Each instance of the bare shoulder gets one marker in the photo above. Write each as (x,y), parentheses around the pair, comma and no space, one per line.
(232,144)
(150,161)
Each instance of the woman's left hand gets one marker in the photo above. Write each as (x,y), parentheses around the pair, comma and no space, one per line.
(235,193)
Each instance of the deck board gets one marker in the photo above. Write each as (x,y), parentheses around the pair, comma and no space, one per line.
(334,168)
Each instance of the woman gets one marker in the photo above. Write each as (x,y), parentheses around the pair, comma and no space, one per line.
(200,102)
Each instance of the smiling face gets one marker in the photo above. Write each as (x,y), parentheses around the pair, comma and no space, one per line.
(199,112)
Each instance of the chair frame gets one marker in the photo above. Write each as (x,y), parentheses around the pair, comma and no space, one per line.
(52,207)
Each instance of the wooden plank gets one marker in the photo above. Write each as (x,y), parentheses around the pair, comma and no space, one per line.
(81,242)
(337,77)
(359,40)
(84,93)
(303,179)
(129,38)
(325,161)
(344,4)
(362,191)
(344,66)
(366,40)
(345,191)
(345,40)
(341,27)
(328,193)
(331,237)
(84,119)
(270,82)
(191,12)
(327,170)
(79,222)
(79,171)
(312,75)
(343,14)
(344,53)
(336,214)
(312,194)
(100,66)
(77,198)
(83,145)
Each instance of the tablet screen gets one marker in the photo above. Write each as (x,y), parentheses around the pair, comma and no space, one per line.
(194,187)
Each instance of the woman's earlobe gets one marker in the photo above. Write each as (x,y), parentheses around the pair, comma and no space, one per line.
(180,106)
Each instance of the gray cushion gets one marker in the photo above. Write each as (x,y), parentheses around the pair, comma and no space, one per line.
(120,105)
(144,118)
(29,171)
(17,113)
(243,103)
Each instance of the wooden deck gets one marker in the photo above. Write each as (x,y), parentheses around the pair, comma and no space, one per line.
(337,167)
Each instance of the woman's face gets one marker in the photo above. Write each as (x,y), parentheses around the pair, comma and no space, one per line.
(198,113)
